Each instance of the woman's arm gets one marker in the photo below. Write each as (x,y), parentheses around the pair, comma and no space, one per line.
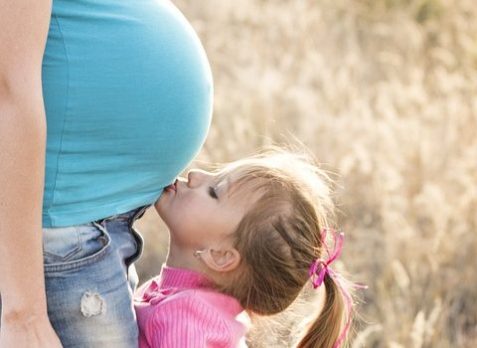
(24,321)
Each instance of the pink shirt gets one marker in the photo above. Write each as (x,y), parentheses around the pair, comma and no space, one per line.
(179,308)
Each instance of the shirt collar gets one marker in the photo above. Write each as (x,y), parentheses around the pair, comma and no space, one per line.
(181,278)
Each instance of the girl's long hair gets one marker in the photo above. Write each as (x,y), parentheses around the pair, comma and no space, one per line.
(327,328)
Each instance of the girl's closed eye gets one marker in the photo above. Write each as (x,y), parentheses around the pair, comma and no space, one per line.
(213,192)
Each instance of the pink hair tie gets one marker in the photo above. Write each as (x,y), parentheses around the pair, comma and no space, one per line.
(320,268)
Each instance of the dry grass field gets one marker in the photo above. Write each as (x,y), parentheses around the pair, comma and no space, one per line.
(384,93)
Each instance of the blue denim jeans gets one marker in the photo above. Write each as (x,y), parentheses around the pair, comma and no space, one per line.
(90,280)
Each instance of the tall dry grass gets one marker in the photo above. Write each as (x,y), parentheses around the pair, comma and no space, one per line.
(384,93)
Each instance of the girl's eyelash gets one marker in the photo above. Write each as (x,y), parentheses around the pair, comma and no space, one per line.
(212,192)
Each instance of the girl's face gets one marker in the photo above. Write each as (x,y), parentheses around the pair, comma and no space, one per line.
(199,211)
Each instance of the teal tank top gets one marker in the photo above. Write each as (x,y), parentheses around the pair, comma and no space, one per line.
(128,98)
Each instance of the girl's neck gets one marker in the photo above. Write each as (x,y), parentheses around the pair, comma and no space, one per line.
(183,258)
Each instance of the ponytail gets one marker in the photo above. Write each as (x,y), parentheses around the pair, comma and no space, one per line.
(327,330)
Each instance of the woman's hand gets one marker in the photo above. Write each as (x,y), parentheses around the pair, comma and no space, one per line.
(28,332)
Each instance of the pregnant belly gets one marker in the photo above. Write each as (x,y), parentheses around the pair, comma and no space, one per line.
(127,89)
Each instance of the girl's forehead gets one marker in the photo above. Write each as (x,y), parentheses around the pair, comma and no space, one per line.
(236,172)
(240,187)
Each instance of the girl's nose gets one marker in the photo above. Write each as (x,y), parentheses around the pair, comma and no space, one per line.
(196,178)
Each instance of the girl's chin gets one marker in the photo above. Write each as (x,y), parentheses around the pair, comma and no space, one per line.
(159,206)
(162,212)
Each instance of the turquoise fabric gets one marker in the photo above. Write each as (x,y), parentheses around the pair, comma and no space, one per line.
(128,99)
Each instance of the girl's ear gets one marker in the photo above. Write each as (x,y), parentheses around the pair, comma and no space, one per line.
(221,260)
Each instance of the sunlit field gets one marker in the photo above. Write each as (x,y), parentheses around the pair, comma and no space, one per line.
(384,93)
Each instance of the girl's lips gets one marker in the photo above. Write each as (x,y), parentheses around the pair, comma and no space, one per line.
(172,187)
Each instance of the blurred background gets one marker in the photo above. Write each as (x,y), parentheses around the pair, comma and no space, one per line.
(383,92)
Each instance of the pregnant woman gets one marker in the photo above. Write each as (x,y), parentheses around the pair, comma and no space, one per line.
(102,104)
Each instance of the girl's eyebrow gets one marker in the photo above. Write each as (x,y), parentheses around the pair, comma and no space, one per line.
(222,187)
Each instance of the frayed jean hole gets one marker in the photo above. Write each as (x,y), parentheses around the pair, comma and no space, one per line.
(92,304)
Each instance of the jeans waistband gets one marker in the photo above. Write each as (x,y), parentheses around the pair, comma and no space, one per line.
(129,216)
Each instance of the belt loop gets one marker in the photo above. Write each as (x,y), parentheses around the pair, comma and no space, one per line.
(100,221)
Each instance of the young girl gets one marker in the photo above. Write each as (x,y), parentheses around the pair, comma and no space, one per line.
(248,237)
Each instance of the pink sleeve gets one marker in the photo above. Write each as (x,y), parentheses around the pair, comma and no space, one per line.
(186,322)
